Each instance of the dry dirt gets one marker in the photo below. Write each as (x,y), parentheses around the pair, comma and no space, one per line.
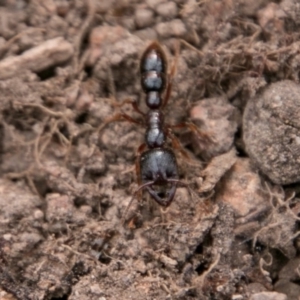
(66,231)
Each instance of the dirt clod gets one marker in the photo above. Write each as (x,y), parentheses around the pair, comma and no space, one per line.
(219,119)
(272,131)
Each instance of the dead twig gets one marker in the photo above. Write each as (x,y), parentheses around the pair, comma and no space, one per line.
(11,41)
(48,54)
(200,280)
(77,66)
(262,263)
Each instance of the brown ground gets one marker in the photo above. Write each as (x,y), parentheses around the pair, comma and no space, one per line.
(65,184)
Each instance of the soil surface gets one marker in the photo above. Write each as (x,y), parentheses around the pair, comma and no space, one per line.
(71,226)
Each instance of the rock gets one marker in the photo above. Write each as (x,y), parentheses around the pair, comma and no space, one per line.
(59,207)
(154,3)
(167,10)
(16,202)
(271,127)
(290,289)
(291,270)
(175,28)
(147,34)
(241,188)
(268,296)
(143,17)
(217,117)
(256,288)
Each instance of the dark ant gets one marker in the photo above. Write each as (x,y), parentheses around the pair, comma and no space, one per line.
(157,166)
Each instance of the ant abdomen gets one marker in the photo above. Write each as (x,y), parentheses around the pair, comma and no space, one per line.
(153,78)
(153,59)
(153,81)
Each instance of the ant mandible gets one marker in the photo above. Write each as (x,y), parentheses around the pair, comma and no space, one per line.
(157,166)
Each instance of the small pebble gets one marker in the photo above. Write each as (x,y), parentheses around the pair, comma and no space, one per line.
(30,239)
(237,297)
(86,209)
(59,207)
(167,10)
(7,237)
(38,214)
(84,101)
(140,266)
(96,290)
(255,287)
(146,34)
(103,7)
(143,17)
(175,28)
(241,188)
(62,7)
(101,37)
(271,19)
(154,3)
(268,296)
(128,23)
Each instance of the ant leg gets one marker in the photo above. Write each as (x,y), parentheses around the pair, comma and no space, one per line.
(118,117)
(138,168)
(204,137)
(178,146)
(171,76)
(140,188)
(133,104)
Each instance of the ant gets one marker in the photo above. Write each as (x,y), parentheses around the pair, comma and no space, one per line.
(157,166)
